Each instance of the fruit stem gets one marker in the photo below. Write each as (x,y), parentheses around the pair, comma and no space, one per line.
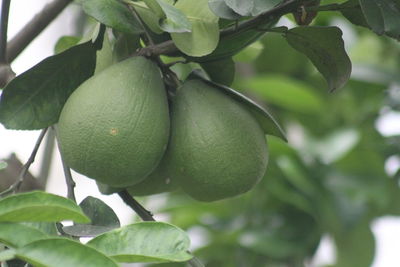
(15,186)
(68,179)
(144,214)
(169,76)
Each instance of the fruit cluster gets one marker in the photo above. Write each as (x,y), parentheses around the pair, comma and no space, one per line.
(119,129)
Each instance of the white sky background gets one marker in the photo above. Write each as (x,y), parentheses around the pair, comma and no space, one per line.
(387,230)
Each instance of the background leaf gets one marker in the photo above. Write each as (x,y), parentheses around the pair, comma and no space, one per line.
(58,252)
(286,93)
(203,38)
(39,206)
(103,219)
(17,235)
(325,48)
(144,242)
(383,16)
(112,13)
(34,99)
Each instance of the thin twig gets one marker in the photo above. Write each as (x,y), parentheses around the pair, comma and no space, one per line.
(47,156)
(34,27)
(141,22)
(69,181)
(5,8)
(15,186)
(146,215)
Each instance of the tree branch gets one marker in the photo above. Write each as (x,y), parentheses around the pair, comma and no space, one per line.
(34,27)
(168,47)
(15,186)
(5,8)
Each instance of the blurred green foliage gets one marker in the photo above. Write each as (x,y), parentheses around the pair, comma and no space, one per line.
(329,179)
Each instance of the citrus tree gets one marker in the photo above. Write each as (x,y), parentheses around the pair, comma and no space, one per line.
(176,97)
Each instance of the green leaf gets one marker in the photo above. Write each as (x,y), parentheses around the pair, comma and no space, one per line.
(48,228)
(144,242)
(34,99)
(251,7)
(222,10)
(155,7)
(175,20)
(233,43)
(148,16)
(59,252)
(65,42)
(112,13)
(7,254)
(39,206)
(266,120)
(351,10)
(17,235)
(125,45)
(3,165)
(250,53)
(220,71)
(104,56)
(383,16)
(287,93)
(324,46)
(103,219)
(355,247)
(203,38)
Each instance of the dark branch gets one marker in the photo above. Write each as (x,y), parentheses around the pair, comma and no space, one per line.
(5,8)
(144,214)
(169,47)
(14,187)
(34,27)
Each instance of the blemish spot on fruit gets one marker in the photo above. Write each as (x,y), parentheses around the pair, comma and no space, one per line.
(114,131)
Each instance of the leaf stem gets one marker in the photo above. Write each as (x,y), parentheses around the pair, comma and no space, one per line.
(146,215)
(15,186)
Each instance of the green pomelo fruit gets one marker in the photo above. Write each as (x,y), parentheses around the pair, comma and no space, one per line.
(217,148)
(114,128)
(106,189)
(159,181)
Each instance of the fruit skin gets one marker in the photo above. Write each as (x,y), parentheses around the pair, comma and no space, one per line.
(217,148)
(159,181)
(115,127)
